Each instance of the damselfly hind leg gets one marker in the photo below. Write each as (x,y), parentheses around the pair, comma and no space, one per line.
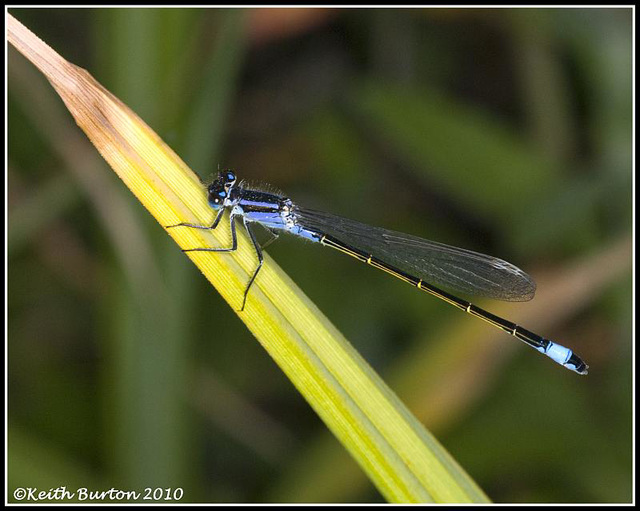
(274,237)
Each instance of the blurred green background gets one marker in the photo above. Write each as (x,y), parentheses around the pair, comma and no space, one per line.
(505,131)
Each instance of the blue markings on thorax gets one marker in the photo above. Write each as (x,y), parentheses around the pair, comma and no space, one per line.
(275,212)
(274,215)
(270,219)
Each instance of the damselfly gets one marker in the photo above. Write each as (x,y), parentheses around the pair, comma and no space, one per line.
(417,261)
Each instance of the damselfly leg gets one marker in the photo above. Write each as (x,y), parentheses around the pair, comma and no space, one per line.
(234,244)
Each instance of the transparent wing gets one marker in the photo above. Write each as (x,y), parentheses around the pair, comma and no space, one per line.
(450,267)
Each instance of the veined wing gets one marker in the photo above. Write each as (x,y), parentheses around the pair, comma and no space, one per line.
(453,268)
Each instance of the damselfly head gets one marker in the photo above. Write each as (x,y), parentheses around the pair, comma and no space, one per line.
(219,189)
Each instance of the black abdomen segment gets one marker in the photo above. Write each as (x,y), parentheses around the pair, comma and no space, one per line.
(558,353)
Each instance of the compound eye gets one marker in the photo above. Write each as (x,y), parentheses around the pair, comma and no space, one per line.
(219,197)
(229,179)
(216,198)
